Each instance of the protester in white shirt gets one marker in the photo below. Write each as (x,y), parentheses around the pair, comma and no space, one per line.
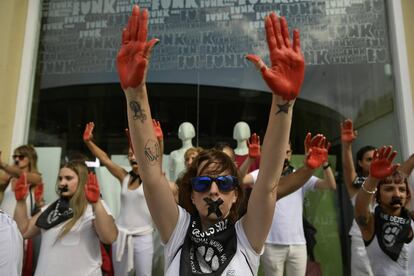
(71,227)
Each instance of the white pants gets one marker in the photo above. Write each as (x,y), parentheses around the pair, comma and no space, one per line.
(289,260)
(143,251)
(360,265)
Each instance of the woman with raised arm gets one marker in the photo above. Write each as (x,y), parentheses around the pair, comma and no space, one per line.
(353,177)
(25,161)
(217,241)
(388,230)
(71,227)
(133,248)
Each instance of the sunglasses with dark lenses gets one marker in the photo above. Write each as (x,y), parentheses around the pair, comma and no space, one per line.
(19,156)
(225,183)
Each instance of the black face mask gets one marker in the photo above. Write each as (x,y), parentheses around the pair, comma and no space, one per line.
(62,190)
(396,200)
(214,206)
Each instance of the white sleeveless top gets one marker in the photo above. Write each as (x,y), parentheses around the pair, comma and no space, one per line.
(76,253)
(383,265)
(9,201)
(134,214)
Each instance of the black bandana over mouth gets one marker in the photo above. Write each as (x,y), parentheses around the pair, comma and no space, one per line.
(214,206)
(208,252)
(392,231)
(58,212)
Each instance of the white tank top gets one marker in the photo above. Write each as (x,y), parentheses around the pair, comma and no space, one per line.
(382,264)
(9,201)
(134,213)
(76,253)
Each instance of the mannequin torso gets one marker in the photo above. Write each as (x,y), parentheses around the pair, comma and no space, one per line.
(186,133)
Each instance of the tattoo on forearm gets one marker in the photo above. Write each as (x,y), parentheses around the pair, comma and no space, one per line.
(138,111)
(152,151)
(283,108)
(362,221)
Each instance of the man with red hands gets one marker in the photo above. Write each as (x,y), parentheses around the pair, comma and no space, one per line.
(285,248)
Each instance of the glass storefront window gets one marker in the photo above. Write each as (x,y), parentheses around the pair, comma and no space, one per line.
(198,74)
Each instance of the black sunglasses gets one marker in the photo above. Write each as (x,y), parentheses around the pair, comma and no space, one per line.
(225,183)
(19,156)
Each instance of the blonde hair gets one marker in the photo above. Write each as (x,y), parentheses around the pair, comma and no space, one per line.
(192,150)
(30,152)
(78,201)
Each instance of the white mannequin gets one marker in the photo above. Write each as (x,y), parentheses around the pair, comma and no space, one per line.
(186,133)
(241,133)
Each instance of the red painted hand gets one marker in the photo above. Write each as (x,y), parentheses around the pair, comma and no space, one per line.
(92,188)
(254,146)
(133,57)
(381,165)
(285,76)
(38,192)
(87,133)
(316,149)
(21,188)
(157,129)
(348,134)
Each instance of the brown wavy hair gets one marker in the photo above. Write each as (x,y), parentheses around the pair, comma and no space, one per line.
(396,177)
(78,201)
(30,152)
(222,163)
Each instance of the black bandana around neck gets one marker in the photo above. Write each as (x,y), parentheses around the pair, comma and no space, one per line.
(392,231)
(134,177)
(357,183)
(57,212)
(208,252)
(289,168)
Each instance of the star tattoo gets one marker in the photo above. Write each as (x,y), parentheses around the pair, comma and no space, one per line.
(283,108)
(138,111)
(213,206)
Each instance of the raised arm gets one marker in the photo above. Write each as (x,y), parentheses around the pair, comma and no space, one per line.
(407,166)
(254,153)
(104,223)
(381,167)
(26,226)
(284,78)
(319,152)
(113,168)
(32,177)
(160,136)
(316,150)
(348,135)
(132,63)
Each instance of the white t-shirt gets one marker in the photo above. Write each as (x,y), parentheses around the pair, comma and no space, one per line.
(287,224)
(11,247)
(245,261)
(76,253)
(9,201)
(134,214)
(383,265)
